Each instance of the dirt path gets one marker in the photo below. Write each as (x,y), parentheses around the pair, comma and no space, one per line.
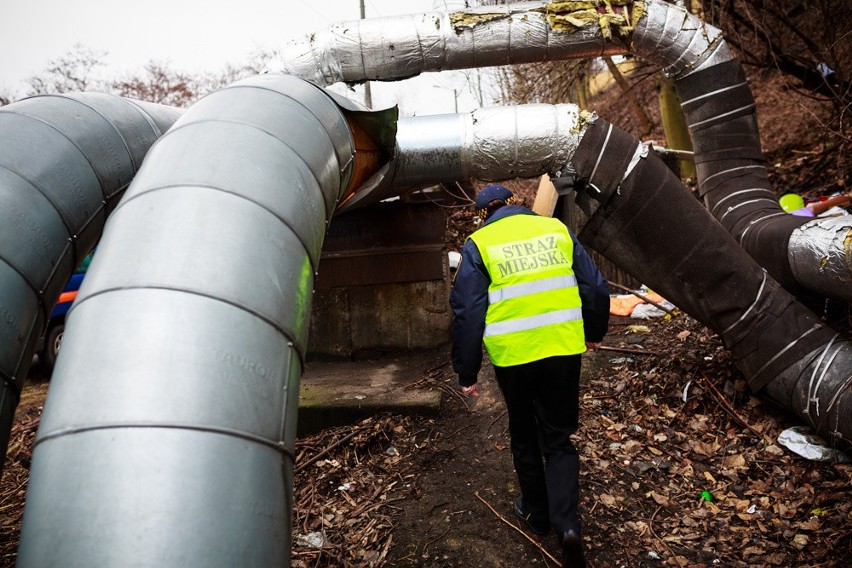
(443,522)
(658,432)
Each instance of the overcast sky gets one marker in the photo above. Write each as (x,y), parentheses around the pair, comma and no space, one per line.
(196,35)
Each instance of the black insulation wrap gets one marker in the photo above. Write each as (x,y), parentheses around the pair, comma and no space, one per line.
(733,180)
(655,229)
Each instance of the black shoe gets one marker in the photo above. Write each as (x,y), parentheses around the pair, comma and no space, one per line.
(541,528)
(572,550)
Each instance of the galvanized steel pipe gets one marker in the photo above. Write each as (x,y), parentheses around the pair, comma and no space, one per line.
(168,436)
(64,162)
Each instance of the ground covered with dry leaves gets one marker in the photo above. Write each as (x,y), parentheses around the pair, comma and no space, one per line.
(681,467)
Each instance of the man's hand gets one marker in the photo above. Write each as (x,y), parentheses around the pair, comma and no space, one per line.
(592,346)
(472,390)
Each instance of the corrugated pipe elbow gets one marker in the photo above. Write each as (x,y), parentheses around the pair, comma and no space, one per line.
(676,40)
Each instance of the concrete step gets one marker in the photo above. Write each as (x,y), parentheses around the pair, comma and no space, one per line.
(340,393)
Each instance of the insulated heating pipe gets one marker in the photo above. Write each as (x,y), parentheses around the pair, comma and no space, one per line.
(804,256)
(65,160)
(167,439)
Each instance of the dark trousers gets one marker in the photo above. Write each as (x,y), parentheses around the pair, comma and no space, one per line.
(543,402)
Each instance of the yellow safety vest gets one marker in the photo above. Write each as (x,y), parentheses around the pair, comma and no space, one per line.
(534,307)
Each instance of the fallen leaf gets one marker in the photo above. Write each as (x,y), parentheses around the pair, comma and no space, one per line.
(661,499)
(734,462)
(607,500)
(702,448)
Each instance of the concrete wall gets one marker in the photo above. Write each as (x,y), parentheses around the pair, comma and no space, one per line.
(396,254)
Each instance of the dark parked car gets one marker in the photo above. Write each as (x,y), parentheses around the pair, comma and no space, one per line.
(49,347)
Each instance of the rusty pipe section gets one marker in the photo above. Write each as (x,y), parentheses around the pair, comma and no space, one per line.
(64,162)
(399,47)
(641,217)
(495,143)
(171,418)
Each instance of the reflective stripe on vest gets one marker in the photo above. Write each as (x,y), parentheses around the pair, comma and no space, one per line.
(532,322)
(534,308)
(534,287)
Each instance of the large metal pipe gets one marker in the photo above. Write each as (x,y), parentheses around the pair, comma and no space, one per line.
(735,188)
(64,162)
(641,217)
(168,436)
(495,143)
(399,47)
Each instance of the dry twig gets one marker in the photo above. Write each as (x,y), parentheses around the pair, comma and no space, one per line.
(525,535)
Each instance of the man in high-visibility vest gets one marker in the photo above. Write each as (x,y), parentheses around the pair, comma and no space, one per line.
(528,289)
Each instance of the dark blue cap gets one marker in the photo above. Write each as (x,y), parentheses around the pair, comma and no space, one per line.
(491,192)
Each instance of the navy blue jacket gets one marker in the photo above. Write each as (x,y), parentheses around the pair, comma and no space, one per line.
(469,300)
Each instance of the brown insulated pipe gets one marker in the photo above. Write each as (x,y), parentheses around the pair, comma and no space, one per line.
(643,219)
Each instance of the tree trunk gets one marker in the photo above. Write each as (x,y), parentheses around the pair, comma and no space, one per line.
(674,124)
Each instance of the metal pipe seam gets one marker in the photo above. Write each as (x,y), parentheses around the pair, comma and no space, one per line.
(248,142)
(174,363)
(289,452)
(769,333)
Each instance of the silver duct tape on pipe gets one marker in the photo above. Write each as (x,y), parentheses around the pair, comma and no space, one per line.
(493,144)
(404,46)
(820,254)
(818,389)
(678,41)
(64,161)
(171,420)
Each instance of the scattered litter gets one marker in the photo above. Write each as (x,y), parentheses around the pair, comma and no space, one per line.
(804,442)
(648,311)
(638,329)
(752,509)
(707,496)
(345,487)
(621,360)
(653,555)
(310,540)
(454,259)
(633,306)
(391,451)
